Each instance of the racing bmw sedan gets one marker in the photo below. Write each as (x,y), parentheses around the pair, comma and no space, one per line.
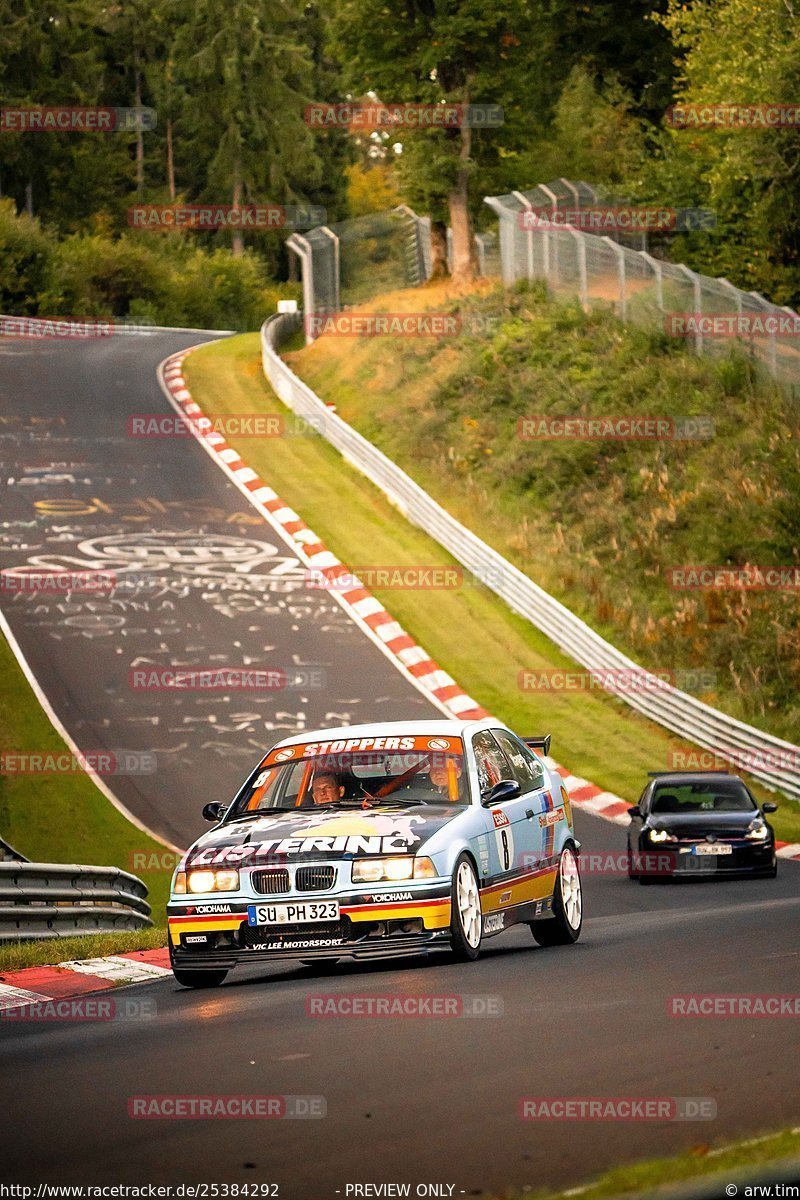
(376,840)
(704,823)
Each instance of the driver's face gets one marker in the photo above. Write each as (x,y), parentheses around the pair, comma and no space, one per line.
(438,774)
(325,790)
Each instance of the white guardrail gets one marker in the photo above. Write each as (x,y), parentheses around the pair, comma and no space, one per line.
(774,762)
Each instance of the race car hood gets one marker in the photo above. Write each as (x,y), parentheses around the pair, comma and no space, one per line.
(321,833)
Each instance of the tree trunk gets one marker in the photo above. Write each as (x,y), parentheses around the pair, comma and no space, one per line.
(439,268)
(29,198)
(238,240)
(463,265)
(137,83)
(170,161)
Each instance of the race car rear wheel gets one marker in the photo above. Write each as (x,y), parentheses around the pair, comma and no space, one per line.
(564,927)
(466,924)
(199,979)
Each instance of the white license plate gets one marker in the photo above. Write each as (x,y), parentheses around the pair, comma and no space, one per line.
(713,848)
(304,913)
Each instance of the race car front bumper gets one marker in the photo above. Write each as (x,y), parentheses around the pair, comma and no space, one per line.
(215,935)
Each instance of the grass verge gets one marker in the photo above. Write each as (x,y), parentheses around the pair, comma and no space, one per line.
(702,1165)
(468,630)
(62,818)
(15,956)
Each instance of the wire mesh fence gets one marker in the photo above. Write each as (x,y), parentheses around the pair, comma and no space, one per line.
(617,270)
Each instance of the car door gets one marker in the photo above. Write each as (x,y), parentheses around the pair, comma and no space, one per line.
(536,836)
(506,843)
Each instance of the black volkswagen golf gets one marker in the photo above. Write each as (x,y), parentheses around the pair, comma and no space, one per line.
(704,823)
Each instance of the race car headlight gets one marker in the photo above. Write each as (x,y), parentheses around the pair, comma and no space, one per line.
(757,833)
(377,870)
(200,882)
(661,835)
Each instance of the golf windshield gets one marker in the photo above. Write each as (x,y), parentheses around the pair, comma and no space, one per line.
(724,796)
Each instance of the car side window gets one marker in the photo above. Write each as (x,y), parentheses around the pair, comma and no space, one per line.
(526,769)
(490,761)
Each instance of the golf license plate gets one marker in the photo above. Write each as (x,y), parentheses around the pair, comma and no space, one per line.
(713,848)
(305,912)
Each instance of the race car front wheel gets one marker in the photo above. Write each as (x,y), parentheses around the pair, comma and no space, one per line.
(199,979)
(564,927)
(466,924)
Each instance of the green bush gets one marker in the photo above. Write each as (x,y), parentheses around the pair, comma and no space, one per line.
(164,280)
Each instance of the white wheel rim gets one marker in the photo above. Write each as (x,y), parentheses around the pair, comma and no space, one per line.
(469,904)
(570,889)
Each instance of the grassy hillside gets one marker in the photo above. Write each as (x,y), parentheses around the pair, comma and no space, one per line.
(469,631)
(599,524)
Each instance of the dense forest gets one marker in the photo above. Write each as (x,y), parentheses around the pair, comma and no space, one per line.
(585,90)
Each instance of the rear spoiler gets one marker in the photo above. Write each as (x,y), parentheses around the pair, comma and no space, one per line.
(539,743)
(686,771)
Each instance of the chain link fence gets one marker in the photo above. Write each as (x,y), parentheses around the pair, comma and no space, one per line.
(614,270)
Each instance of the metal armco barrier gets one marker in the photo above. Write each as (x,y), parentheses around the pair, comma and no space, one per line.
(9,854)
(774,762)
(47,900)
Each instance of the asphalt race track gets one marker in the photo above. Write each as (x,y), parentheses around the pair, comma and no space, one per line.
(432,1099)
(417,1100)
(195,578)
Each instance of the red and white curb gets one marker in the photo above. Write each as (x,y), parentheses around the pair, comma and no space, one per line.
(37,986)
(357,600)
(366,610)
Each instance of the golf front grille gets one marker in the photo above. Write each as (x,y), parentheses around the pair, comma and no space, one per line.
(270,883)
(314,879)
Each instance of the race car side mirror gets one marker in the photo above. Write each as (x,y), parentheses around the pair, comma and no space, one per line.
(769,807)
(634,811)
(506,789)
(213,811)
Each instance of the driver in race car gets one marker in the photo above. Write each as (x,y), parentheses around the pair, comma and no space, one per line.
(326,788)
(444,775)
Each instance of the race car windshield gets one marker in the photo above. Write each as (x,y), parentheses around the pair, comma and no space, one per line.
(356,780)
(724,796)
